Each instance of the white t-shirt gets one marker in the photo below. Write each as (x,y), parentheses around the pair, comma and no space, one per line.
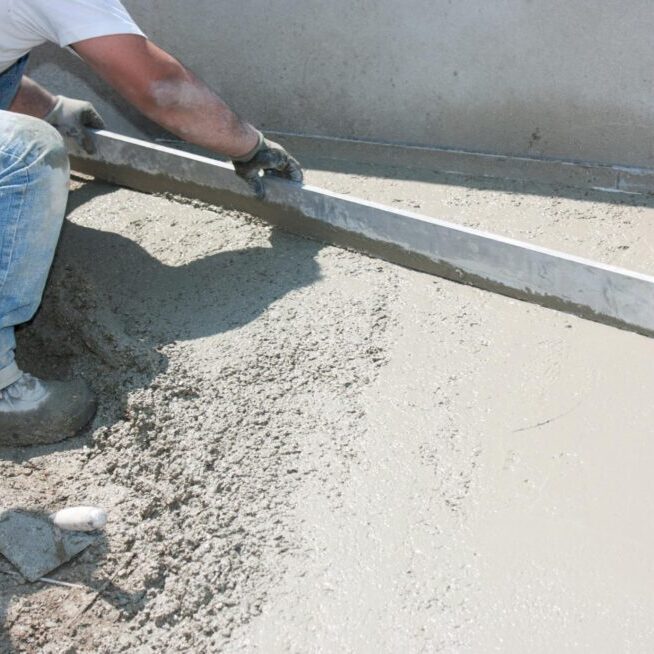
(25,24)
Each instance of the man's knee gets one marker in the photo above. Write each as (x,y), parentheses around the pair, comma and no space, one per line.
(34,162)
(33,141)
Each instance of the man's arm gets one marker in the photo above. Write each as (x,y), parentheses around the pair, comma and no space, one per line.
(32,99)
(167,93)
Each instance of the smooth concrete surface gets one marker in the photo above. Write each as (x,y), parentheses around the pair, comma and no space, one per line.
(498,501)
(569,79)
(517,269)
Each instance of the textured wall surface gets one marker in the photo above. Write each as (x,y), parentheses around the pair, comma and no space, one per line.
(566,79)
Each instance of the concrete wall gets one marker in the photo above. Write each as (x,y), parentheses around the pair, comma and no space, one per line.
(569,79)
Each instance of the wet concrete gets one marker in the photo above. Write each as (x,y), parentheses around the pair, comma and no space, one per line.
(311,450)
(514,268)
(502,489)
(501,496)
(605,226)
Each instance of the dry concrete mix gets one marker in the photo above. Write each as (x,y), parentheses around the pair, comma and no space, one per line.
(307,450)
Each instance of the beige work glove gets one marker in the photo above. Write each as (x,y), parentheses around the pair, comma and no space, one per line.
(73,118)
(268,158)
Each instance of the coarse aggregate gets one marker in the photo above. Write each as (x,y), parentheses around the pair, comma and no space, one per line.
(227,357)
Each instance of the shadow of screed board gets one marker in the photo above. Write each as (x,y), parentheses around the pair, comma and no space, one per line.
(520,270)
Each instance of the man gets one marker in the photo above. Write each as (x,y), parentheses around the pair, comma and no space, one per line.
(34,171)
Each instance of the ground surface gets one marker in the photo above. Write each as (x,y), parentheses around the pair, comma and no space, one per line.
(603,226)
(306,450)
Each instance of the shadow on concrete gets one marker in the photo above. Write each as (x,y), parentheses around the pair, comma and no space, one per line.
(204,297)
(111,308)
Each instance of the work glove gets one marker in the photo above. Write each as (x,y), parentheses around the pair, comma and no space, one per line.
(268,158)
(73,118)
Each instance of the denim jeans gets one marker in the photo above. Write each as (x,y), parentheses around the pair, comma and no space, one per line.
(10,80)
(34,173)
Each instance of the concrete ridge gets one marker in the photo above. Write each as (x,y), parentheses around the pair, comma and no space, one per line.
(553,279)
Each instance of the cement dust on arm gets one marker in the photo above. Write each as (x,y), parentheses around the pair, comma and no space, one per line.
(168,93)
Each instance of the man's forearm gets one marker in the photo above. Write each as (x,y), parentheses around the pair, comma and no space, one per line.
(32,99)
(181,103)
(168,93)
(185,106)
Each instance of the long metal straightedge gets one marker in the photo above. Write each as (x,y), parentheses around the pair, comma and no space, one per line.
(552,279)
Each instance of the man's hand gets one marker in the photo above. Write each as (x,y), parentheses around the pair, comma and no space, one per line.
(73,118)
(268,158)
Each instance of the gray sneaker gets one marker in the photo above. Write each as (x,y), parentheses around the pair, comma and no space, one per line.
(35,412)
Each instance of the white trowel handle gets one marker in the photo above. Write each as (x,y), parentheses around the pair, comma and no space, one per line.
(80,518)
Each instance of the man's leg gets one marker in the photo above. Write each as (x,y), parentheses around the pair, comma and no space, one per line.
(34,172)
(33,192)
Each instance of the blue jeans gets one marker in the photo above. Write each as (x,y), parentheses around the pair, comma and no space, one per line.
(10,81)
(34,173)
